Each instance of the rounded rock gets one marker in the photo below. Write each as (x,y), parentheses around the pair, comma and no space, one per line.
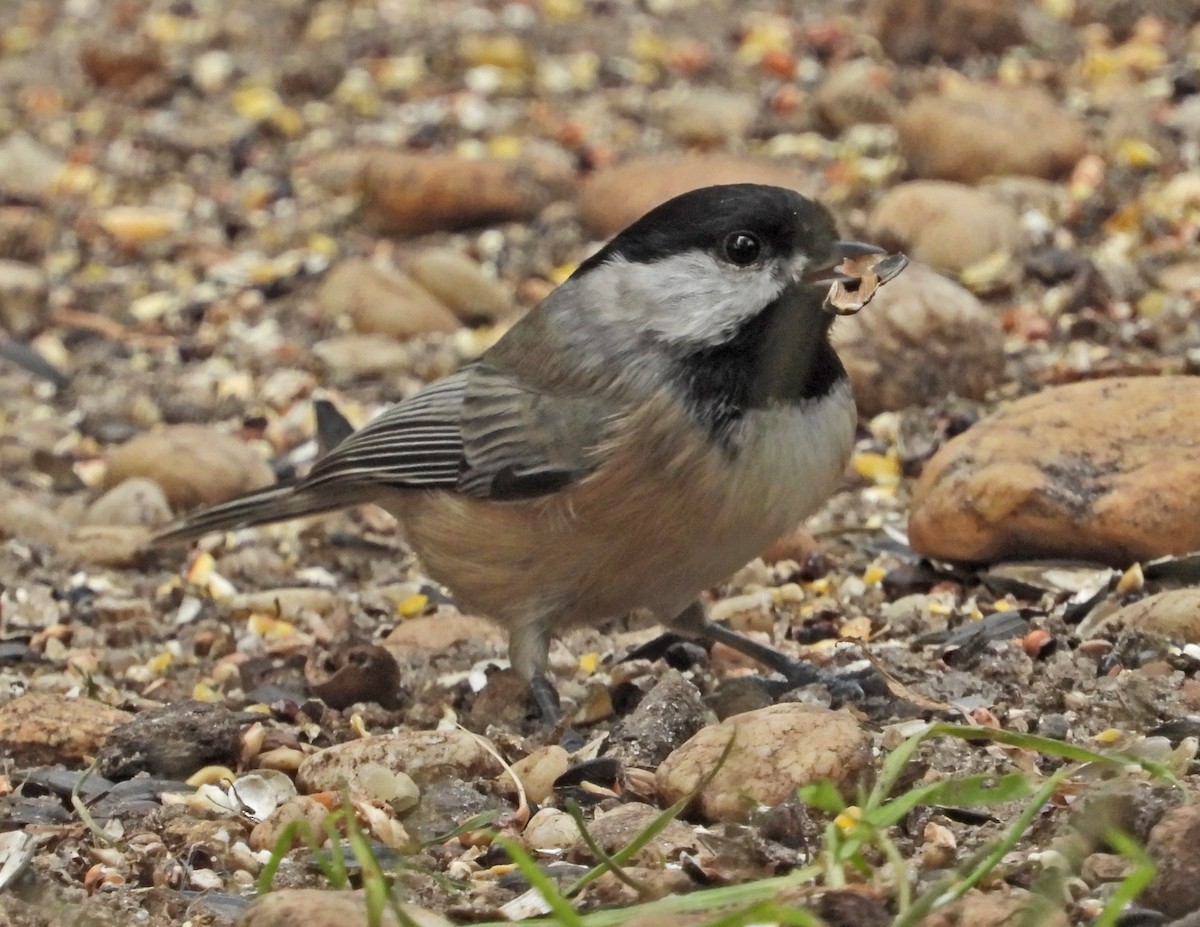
(923,338)
(775,751)
(381,301)
(135,501)
(424,755)
(1102,470)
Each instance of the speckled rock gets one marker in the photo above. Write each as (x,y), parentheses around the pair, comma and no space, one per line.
(1175,613)
(619,826)
(965,134)
(317,907)
(917,30)
(1102,470)
(135,501)
(1174,845)
(193,464)
(423,755)
(776,750)
(668,715)
(948,226)
(1002,908)
(43,729)
(616,196)
(460,284)
(858,91)
(923,337)
(381,301)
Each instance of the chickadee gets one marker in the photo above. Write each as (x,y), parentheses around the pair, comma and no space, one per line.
(657,421)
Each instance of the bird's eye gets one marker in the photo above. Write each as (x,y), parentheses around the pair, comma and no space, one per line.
(742,248)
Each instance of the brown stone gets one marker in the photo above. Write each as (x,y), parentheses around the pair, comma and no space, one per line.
(775,751)
(194,464)
(858,91)
(617,196)
(315,907)
(948,226)
(918,30)
(1004,908)
(1174,845)
(382,301)
(923,338)
(43,729)
(973,131)
(1102,470)
(1174,613)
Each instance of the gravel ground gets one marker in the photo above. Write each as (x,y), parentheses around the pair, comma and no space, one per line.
(212,213)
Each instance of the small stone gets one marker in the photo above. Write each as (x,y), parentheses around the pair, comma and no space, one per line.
(997,909)
(949,226)
(135,501)
(1100,470)
(538,771)
(133,227)
(967,134)
(446,804)
(381,301)
(620,826)
(44,730)
(426,756)
(439,632)
(1174,613)
(668,715)
(172,742)
(25,520)
(28,170)
(918,30)
(211,71)
(460,284)
(924,338)
(550,829)
(25,233)
(114,546)
(266,834)
(707,117)
(193,464)
(316,907)
(23,291)
(775,751)
(120,63)
(408,194)
(1174,845)
(617,196)
(854,93)
(347,358)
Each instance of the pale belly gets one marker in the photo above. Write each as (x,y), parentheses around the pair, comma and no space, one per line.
(650,530)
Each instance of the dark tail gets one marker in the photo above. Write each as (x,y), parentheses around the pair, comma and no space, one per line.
(263,506)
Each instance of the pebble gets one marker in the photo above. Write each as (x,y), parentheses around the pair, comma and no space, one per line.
(409,194)
(381,301)
(28,170)
(25,520)
(347,358)
(266,833)
(1173,613)
(316,907)
(620,826)
(923,338)
(426,756)
(966,134)
(950,29)
(23,292)
(438,632)
(550,829)
(775,751)
(1174,845)
(112,546)
(616,196)
(120,63)
(25,233)
(854,93)
(172,741)
(193,464)
(707,117)
(355,673)
(460,284)
(949,226)
(135,501)
(538,771)
(997,909)
(667,715)
(1101,470)
(43,729)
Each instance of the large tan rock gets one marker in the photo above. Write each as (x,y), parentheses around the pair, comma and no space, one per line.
(42,729)
(194,464)
(923,338)
(382,301)
(775,750)
(1174,845)
(974,131)
(616,196)
(1102,470)
(316,907)
(917,30)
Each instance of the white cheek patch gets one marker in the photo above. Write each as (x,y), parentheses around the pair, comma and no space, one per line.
(691,298)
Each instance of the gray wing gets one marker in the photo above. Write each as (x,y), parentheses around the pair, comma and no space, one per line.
(477,432)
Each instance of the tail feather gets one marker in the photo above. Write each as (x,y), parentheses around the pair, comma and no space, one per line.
(263,506)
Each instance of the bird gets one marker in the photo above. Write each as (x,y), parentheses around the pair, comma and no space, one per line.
(664,415)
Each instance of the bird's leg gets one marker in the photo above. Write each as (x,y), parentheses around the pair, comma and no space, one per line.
(693,620)
(529,653)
